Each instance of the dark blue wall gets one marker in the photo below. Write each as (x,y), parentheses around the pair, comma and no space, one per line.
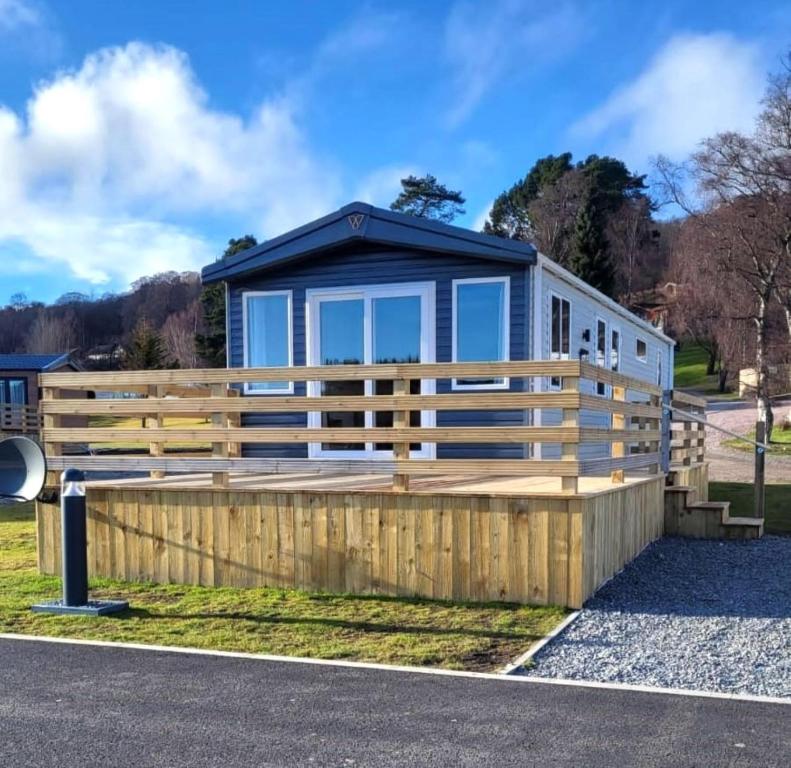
(366,267)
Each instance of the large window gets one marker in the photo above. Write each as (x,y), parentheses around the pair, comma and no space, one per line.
(267,337)
(13,392)
(560,333)
(480,327)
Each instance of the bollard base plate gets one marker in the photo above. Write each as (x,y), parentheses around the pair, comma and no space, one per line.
(91,608)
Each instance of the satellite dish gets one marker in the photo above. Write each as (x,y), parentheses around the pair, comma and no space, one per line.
(23,469)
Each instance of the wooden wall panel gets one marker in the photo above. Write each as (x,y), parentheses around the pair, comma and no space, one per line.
(479,548)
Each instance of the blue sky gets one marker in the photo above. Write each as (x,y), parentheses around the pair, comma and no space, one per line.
(138,137)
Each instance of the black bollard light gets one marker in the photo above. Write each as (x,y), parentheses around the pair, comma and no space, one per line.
(74,548)
(74,542)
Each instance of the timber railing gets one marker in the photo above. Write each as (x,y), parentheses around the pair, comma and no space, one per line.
(18,419)
(629,428)
(688,429)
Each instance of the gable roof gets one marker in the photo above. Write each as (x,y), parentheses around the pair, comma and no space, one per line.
(363,223)
(14,362)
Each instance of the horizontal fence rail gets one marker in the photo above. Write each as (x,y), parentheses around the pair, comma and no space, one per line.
(152,420)
(18,419)
(688,429)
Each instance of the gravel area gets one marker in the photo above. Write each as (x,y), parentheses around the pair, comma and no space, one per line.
(694,614)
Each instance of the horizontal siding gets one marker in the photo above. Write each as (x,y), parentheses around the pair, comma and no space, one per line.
(355,267)
(585,310)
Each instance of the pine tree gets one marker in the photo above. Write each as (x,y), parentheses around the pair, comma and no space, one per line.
(146,350)
(590,258)
(210,344)
(427,198)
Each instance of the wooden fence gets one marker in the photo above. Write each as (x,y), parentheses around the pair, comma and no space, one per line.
(632,420)
(18,419)
(688,430)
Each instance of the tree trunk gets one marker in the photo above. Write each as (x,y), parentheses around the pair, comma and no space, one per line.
(713,357)
(722,379)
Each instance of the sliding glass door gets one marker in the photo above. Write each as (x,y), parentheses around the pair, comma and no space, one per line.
(374,324)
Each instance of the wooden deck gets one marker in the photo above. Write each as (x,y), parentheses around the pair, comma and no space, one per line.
(349,483)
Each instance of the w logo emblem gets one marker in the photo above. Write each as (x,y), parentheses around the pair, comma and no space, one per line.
(355,220)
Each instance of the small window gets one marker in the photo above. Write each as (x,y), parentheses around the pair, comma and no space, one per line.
(601,353)
(267,338)
(615,350)
(641,351)
(659,369)
(13,392)
(480,327)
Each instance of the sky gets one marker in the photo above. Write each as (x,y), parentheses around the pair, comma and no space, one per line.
(138,137)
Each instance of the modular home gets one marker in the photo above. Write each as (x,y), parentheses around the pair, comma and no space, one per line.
(367,285)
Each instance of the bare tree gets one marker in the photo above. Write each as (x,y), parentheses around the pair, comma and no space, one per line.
(178,333)
(50,333)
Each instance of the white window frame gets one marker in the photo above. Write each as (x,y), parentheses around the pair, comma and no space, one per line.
(639,358)
(505,382)
(602,389)
(567,356)
(289,389)
(313,299)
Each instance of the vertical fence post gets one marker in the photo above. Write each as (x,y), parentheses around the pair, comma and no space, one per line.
(219,448)
(666,428)
(51,421)
(618,447)
(155,420)
(400,449)
(760,460)
(570,451)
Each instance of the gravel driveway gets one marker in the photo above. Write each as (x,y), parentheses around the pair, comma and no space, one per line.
(695,614)
(729,465)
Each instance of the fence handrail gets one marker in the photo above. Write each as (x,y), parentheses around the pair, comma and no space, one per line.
(706,423)
(632,403)
(135,380)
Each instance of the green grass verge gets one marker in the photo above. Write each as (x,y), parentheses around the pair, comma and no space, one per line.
(779,444)
(285,622)
(689,372)
(778,503)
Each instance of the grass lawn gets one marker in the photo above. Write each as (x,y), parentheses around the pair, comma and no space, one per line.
(778,503)
(689,372)
(780,443)
(378,629)
(134,422)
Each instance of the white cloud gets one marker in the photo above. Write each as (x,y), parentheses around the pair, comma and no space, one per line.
(695,86)
(382,186)
(486,42)
(108,157)
(16,14)
(482,217)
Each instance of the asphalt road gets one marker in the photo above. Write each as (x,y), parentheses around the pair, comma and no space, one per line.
(72,705)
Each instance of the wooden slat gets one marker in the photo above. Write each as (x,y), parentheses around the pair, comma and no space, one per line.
(490,467)
(564,434)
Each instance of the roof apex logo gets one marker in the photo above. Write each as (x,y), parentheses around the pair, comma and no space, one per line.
(355,220)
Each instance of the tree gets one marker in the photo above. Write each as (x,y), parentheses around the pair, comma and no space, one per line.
(210,341)
(744,182)
(590,259)
(179,333)
(425,197)
(50,334)
(510,215)
(146,349)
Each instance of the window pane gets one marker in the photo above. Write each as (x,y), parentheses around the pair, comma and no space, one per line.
(268,341)
(17,391)
(554,345)
(396,329)
(601,341)
(615,351)
(480,334)
(341,343)
(565,327)
(642,351)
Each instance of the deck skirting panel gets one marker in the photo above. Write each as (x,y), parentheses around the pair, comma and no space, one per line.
(549,550)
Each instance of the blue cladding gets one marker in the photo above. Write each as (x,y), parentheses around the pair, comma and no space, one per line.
(359,267)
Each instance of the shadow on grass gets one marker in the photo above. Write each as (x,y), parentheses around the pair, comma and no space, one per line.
(329,623)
